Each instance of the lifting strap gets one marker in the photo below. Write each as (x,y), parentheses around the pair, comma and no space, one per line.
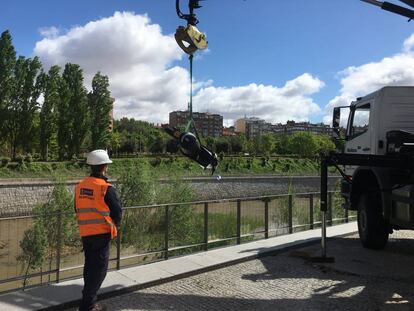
(191,124)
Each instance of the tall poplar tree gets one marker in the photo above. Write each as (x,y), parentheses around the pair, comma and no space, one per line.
(100,105)
(21,109)
(7,65)
(29,103)
(63,120)
(77,107)
(48,112)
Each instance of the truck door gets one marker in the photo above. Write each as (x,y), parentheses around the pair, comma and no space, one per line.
(358,132)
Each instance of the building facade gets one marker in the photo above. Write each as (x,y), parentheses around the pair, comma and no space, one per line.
(253,127)
(292,127)
(207,124)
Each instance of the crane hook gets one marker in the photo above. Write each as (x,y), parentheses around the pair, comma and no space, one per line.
(189,38)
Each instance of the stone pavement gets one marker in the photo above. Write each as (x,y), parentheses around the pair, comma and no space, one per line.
(360,279)
(62,295)
(282,279)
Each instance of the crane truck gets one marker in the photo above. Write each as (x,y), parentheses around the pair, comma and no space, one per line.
(379,143)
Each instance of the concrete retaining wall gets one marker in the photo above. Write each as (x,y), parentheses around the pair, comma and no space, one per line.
(19,197)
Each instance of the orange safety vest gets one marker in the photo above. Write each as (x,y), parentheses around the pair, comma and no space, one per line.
(92,212)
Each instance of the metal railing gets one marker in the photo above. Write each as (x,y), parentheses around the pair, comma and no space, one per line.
(157,232)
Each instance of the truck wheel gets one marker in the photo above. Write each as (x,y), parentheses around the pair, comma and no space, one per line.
(372,227)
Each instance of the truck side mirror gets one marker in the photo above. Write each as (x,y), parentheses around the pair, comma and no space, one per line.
(335,122)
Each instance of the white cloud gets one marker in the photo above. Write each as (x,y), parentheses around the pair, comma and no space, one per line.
(134,54)
(361,80)
(271,103)
(49,32)
(137,57)
(408,44)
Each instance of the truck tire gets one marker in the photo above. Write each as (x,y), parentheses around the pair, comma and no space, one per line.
(372,227)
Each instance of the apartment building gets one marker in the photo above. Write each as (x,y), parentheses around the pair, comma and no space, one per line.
(207,124)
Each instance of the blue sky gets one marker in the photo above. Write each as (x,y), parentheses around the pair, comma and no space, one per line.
(274,59)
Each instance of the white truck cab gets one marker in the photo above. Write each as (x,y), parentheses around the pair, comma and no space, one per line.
(381,123)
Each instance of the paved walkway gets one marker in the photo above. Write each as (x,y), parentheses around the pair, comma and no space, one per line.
(359,280)
(66,294)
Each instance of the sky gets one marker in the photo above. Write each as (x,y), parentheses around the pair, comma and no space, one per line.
(273,59)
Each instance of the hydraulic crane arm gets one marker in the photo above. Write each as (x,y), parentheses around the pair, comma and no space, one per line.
(387,6)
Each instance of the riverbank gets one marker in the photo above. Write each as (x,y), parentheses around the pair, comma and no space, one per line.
(19,197)
(165,166)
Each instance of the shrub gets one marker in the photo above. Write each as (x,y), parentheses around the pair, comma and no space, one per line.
(143,228)
(155,162)
(33,247)
(40,242)
(4,161)
(28,158)
(20,159)
(264,161)
(36,157)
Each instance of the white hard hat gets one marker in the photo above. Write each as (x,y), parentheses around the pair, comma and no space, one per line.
(98,157)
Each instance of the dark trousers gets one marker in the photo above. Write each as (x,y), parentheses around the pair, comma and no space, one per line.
(96,250)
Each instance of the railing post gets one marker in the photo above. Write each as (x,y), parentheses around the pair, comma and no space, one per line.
(206,226)
(118,249)
(59,245)
(290,207)
(238,221)
(266,218)
(311,210)
(167,231)
(330,209)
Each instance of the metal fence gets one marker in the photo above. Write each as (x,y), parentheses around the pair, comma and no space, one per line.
(153,233)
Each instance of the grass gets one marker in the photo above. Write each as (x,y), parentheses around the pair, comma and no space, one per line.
(166,166)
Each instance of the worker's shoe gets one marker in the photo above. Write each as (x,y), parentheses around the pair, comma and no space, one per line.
(98,307)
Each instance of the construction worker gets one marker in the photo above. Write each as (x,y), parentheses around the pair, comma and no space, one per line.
(99,213)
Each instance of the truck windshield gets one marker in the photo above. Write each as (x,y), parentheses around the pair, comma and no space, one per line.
(360,121)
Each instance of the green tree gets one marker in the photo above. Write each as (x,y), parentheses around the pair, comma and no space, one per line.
(138,136)
(237,143)
(282,144)
(210,143)
(115,141)
(265,144)
(48,115)
(158,142)
(100,105)
(20,111)
(54,226)
(57,218)
(303,144)
(325,143)
(31,92)
(7,65)
(63,120)
(33,247)
(77,108)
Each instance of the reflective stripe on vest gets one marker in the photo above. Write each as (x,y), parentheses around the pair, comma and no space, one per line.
(91,221)
(92,213)
(92,210)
